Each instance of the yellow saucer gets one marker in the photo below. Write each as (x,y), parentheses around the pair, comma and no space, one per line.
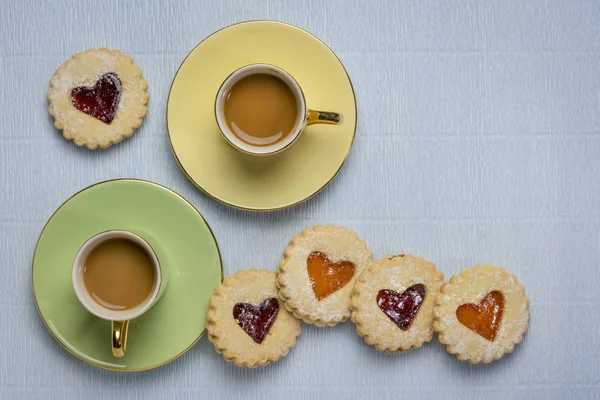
(252,182)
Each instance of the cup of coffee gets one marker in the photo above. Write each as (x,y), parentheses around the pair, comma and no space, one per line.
(117,277)
(261,110)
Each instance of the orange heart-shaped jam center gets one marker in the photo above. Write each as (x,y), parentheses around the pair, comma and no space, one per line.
(325,276)
(483,318)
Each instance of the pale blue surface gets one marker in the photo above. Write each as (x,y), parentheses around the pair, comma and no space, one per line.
(478,142)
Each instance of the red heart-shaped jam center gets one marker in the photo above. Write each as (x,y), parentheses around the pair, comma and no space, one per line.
(401,308)
(483,318)
(101,100)
(256,320)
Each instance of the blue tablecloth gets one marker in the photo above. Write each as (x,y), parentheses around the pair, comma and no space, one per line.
(478,142)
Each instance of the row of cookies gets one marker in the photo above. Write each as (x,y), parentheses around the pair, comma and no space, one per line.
(327,275)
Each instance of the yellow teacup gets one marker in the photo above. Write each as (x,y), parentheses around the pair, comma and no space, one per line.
(261,110)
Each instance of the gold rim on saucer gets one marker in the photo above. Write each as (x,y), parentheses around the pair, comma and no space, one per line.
(230,176)
(43,318)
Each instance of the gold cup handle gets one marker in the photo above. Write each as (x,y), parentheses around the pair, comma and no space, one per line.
(119,337)
(324,117)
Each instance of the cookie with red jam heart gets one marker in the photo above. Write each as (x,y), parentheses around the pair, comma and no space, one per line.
(317,273)
(481,314)
(98,98)
(392,302)
(246,322)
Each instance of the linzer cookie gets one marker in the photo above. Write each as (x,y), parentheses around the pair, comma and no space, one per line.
(317,273)
(481,314)
(392,302)
(246,322)
(98,98)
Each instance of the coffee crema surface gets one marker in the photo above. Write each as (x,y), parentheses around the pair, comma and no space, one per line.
(261,109)
(119,274)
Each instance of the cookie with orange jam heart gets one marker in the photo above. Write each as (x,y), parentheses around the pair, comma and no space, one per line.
(392,302)
(481,314)
(246,322)
(98,98)
(317,273)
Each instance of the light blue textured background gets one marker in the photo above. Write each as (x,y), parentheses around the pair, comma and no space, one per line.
(478,142)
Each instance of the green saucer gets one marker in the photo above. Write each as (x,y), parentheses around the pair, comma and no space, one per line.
(184,244)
